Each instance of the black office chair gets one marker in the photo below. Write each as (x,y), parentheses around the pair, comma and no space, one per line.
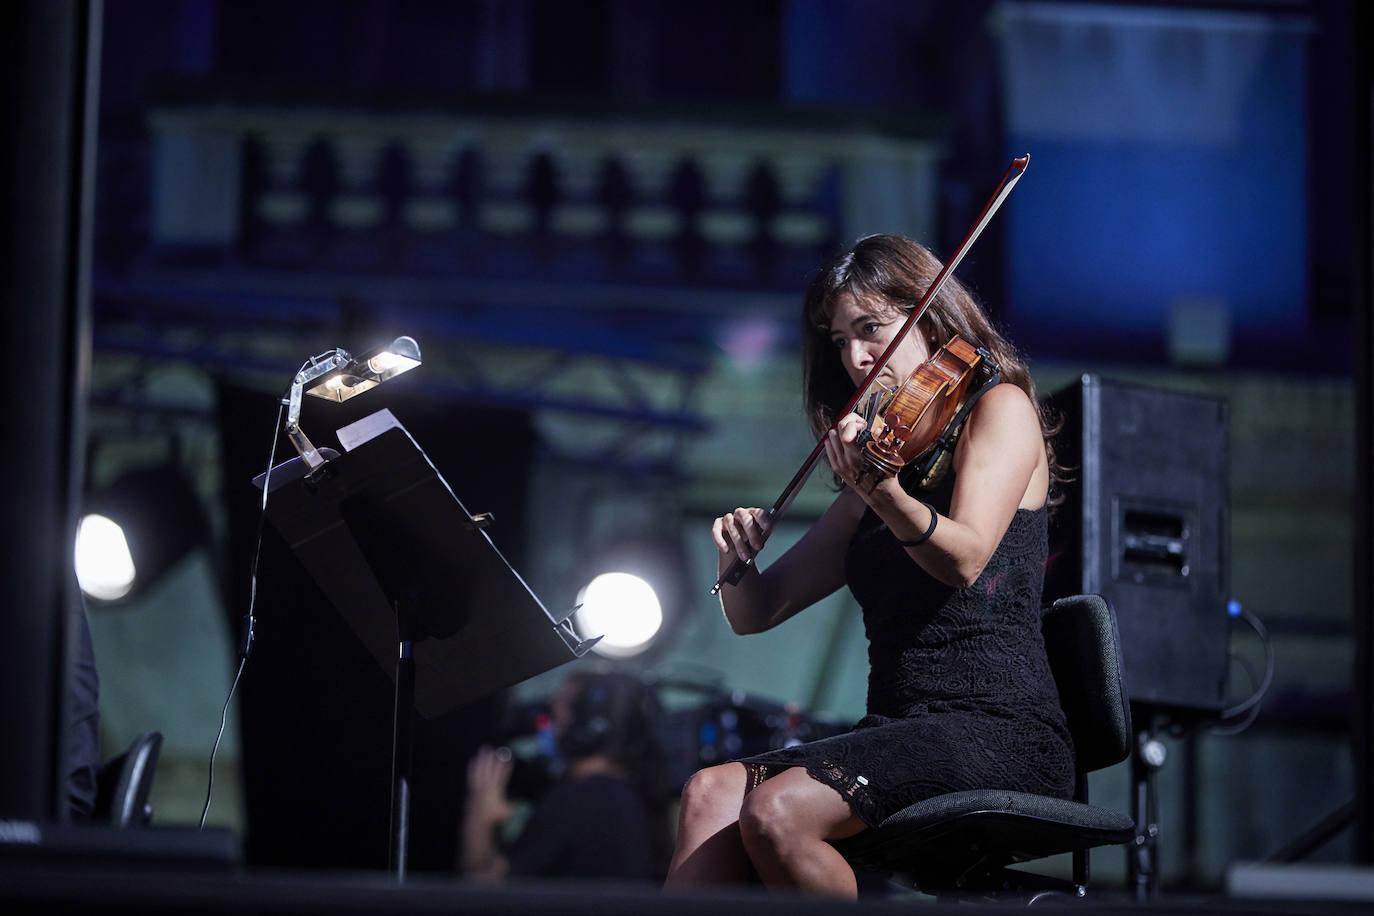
(123,784)
(960,844)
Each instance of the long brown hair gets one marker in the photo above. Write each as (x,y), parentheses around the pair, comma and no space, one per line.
(897,271)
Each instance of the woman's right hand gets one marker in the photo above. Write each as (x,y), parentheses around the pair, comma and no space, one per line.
(741,534)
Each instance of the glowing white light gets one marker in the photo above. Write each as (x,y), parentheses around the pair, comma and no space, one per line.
(104,566)
(623,609)
(386,361)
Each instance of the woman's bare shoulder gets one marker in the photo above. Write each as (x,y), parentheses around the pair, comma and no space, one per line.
(1005,407)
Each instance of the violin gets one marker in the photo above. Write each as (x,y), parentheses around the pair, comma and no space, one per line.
(937,375)
(922,417)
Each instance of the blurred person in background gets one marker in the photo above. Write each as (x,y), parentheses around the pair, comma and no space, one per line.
(605,816)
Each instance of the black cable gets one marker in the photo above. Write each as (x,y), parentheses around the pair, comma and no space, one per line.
(223,717)
(1263,633)
(246,635)
(1237,728)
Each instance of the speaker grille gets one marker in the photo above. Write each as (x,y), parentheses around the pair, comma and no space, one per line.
(1145,523)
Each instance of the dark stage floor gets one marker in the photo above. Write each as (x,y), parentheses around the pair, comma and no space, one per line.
(153,871)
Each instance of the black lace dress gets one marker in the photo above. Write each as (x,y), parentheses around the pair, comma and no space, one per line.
(960,694)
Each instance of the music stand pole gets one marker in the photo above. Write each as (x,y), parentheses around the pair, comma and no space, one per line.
(402,745)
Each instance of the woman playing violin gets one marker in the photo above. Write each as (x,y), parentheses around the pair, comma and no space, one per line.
(948,575)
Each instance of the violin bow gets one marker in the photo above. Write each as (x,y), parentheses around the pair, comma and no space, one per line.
(736,570)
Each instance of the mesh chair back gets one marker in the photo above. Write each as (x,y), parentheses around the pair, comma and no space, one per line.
(1084,650)
(125,782)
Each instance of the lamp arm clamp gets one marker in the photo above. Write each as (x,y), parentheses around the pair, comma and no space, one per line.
(312,370)
(337,376)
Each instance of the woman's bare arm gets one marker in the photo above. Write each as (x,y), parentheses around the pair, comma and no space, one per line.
(810,570)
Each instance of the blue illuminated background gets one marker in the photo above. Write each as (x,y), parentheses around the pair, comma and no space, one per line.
(1171,183)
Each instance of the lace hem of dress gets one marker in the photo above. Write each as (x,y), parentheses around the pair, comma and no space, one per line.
(851,788)
(757,773)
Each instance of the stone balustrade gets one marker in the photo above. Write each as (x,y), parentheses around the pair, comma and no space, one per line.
(245,178)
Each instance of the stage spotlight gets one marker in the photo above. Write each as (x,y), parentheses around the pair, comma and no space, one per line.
(337,376)
(624,609)
(135,530)
(633,597)
(104,567)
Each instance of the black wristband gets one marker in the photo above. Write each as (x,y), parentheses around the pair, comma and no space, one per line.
(918,541)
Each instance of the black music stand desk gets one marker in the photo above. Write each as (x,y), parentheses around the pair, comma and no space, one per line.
(417,579)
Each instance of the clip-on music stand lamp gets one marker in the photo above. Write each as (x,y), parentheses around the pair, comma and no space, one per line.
(411,571)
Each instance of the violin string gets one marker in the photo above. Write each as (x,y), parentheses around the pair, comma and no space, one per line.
(874,403)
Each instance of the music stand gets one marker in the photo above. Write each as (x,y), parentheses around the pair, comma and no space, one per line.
(418,580)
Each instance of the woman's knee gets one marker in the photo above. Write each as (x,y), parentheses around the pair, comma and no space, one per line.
(715,788)
(770,815)
(794,807)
